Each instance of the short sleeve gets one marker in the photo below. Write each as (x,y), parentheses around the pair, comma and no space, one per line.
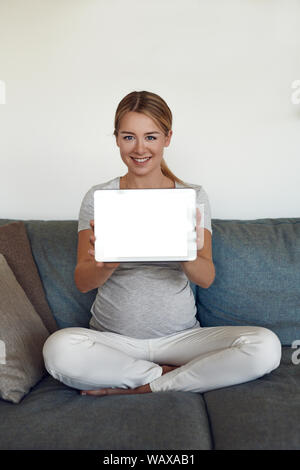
(86,212)
(202,198)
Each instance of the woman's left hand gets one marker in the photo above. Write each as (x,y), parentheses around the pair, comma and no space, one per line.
(199,236)
(199,230)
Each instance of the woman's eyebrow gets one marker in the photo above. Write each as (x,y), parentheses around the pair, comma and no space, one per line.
(127,132)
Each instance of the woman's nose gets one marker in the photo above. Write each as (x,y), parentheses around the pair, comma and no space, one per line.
(139,146)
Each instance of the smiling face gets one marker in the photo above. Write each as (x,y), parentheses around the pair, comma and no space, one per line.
(140,138)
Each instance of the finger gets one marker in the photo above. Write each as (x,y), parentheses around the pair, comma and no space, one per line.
(198,216)
(200,238)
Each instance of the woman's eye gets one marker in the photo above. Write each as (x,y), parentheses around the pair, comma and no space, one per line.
(125,137)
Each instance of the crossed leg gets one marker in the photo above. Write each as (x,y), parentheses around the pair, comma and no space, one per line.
(209,358)
(197,360)
(215,357)
(91,361)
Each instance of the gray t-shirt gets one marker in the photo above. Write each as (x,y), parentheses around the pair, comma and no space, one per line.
(143,299)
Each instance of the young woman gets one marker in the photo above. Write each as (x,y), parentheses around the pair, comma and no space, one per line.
(144,336)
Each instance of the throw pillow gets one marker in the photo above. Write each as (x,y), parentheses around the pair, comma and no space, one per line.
(22,336)
(15,246)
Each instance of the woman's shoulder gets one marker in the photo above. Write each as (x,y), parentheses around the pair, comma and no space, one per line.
(201,194)
(198,187)
(87,204)
(111,184)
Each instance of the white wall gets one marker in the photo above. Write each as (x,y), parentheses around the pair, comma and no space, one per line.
(225,68)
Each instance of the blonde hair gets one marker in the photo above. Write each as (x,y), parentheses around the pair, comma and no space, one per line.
(153,106)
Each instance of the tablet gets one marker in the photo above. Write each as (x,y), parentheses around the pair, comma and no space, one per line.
(145,225)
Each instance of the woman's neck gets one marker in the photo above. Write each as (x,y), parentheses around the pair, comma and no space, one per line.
(131,182)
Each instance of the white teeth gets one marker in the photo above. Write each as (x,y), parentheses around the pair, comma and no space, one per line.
(141,159)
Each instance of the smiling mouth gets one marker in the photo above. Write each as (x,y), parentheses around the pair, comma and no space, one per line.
(141,160)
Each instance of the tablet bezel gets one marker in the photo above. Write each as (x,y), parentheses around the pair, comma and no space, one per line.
(191,234)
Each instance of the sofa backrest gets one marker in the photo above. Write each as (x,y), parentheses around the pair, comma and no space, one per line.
(54,249)
(257,274)
(257,279)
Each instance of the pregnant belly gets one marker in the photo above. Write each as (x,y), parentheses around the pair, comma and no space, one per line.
(150,311)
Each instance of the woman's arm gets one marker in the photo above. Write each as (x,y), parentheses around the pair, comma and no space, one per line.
(90,274)
(202,270)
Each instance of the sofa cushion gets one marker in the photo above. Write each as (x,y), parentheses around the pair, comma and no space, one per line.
(15,246)
(22,336)
(262,414)
(257,276)
(54,244)
(54,248)
(54,416)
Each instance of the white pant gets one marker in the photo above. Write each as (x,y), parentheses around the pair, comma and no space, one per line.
(210,358)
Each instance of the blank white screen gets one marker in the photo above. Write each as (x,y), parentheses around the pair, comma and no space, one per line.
(143,223)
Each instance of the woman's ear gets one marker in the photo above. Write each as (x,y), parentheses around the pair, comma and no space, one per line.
(168,138)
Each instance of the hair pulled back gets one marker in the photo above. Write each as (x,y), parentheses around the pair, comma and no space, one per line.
(153,106)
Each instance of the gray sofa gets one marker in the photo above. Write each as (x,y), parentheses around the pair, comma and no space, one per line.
(257,283)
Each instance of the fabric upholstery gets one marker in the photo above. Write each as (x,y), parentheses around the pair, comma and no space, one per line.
(15,246)
(54,416)
(259,415)
(22,336)
(57,258)
(54,247)
(262,414)
(257,279)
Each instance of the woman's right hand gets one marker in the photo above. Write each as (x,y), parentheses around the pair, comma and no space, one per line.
(91,252)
